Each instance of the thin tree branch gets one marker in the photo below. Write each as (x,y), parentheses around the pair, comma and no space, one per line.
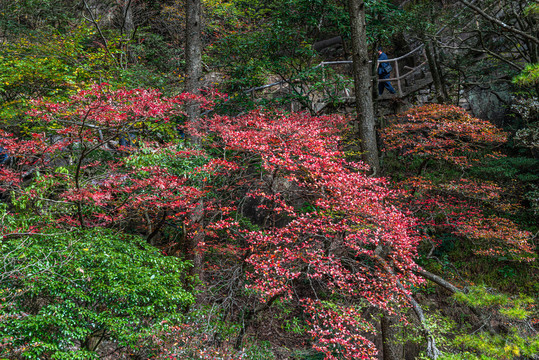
(499,22)
(94,21)
(438,280)
(432,350)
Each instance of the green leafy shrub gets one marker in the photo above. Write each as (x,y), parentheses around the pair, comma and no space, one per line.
(65,294)
(529,76)
(514,336)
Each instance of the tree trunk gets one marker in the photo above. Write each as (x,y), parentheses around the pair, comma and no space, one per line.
(437,62)
(362,84)
(193,60)
(193,55)
(436,78)
(432,350)
(128,22)
(392,350)
(92,341)
(128,30)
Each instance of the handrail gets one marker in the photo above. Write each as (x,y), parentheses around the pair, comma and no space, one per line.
(381,61)
(405,55)
(324,63)
(398,77)
(412,70)
(264,86)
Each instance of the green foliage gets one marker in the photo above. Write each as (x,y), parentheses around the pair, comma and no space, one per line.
(439,326)
(144,76)
(508,168)
(18,16)
(527,111)
(384,19)
(495,347)
(289,319)
(155,63)
(171,159)
(529,76)
(419,18)
(532,10)
(240,56)
(65,288)
(533,197)
(257,42)
(513,312)
(465,343)
(519,176)
(260,351)
(510,307)
(51,65)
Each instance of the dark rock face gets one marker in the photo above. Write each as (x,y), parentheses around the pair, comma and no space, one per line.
(489,104)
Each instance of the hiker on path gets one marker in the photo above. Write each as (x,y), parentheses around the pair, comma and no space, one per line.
(384,72)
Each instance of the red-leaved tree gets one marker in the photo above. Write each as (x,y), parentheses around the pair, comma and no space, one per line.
(102,158)
(326,236)
(449,141)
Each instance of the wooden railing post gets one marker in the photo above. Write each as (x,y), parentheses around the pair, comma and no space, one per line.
(398,77)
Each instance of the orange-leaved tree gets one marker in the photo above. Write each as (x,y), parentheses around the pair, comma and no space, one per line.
(438,145)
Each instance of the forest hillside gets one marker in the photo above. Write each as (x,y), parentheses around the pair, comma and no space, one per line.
(269,180)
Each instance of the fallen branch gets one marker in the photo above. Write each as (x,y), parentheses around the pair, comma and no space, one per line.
(432,350)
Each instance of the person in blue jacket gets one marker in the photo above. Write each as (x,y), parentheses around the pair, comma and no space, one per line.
(4,157)
(384,72)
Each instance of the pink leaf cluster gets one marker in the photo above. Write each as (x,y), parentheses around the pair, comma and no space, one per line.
(337,244)
(441,134)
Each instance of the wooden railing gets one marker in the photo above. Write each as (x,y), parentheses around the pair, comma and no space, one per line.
(398,78)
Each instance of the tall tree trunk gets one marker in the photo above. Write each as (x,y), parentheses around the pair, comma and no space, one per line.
(193,60)
(128,20)
(362,84)
(128,28)
(193,55)
(437,62)
(434,70)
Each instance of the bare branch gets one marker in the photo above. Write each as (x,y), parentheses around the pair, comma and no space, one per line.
(500,23)
(432,350)
(94,21)
(438,280)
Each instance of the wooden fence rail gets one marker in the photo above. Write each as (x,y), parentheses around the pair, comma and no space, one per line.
(396,60)
(398,78)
